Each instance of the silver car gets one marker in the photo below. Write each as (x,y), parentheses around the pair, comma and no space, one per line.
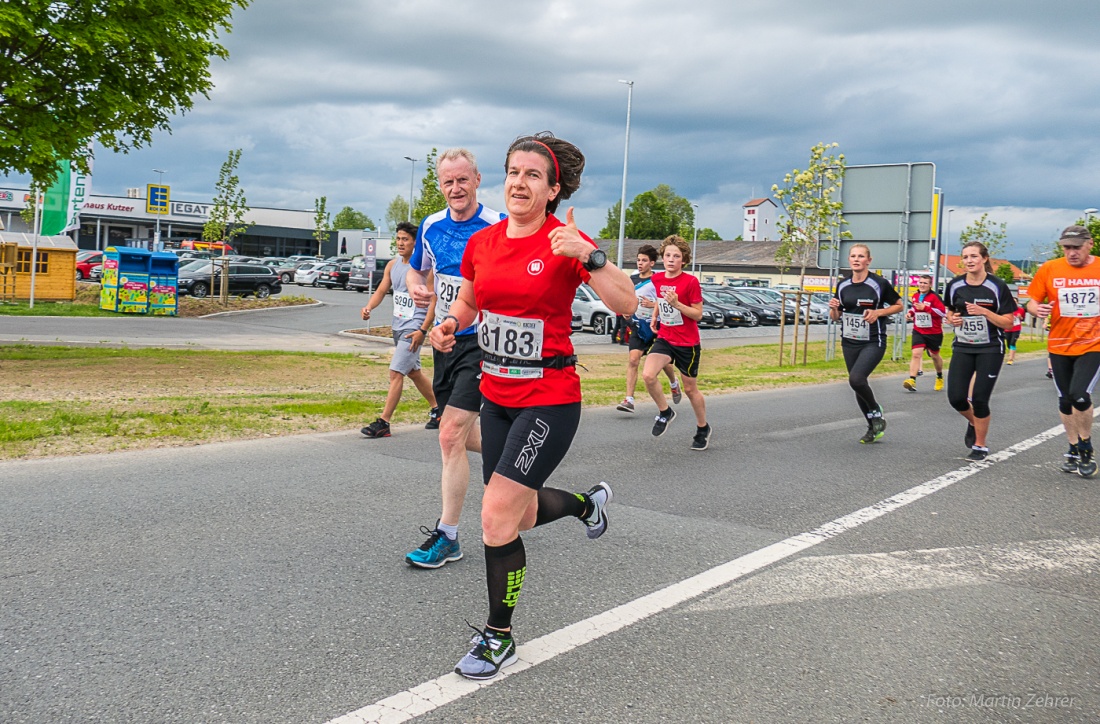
(594,313)
(307,274)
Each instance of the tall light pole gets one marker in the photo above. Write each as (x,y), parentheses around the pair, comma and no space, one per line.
(412,175)
(626,157)
(947,242)
(156,234)
(694,239)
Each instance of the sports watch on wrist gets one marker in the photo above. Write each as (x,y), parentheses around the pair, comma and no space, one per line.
(596,260)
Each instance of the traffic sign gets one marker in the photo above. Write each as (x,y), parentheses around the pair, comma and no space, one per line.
(156,199)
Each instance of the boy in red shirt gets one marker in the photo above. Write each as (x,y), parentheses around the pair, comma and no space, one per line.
(679,308)
(927,314)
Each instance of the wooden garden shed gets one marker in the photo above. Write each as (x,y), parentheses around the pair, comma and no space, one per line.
(55,279)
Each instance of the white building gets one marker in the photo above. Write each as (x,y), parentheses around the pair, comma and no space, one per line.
(759,220)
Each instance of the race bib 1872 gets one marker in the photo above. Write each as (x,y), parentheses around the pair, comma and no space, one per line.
(1079,302)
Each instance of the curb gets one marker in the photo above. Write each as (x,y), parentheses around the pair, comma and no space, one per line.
(265,309)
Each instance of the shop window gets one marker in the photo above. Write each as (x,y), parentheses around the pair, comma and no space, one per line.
(23,262)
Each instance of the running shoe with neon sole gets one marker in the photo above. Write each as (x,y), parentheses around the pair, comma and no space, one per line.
(378,428)
(626,406)
(661,422)
(436,551)
(939,384)
(1069,465)
(596,520)
(433,419)
(1086,466)
(491,653)
(677,394)
(910,384)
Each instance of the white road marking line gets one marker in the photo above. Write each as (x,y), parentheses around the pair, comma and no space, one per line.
(439,692)
(815,578)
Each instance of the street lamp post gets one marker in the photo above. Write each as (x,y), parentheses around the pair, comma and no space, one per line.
(694,240)
(156,234)
(947,242)
(626,156)
(412,175)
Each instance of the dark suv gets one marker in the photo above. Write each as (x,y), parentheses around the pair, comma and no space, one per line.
(361,278)
(244,280)
(334,275)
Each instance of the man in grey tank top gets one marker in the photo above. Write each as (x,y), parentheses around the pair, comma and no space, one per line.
(411,325)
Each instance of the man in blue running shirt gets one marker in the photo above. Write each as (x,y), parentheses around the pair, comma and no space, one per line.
(440,243)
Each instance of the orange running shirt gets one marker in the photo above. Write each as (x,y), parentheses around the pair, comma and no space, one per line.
(1075,294)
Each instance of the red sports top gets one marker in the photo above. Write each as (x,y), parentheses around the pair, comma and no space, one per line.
(938,312)
(522,278)
(682,331)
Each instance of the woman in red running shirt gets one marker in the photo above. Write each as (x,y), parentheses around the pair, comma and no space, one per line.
(521,275)
(679,309)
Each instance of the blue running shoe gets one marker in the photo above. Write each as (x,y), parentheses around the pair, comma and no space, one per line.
(490,654)
(435,552)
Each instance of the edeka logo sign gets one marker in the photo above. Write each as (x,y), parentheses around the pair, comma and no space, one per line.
(182,208)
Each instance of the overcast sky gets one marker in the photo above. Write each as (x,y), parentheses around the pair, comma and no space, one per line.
(328,98)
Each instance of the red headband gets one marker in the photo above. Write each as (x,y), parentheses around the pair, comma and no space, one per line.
(557,171)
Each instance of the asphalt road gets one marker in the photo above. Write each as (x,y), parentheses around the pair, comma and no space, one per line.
(784,575)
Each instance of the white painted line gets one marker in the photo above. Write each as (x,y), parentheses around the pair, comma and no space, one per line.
(439,692)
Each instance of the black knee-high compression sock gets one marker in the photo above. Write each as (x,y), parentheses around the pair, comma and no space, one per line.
(505,568)
(555,503)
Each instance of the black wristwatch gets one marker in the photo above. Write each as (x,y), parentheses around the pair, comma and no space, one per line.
(596,260)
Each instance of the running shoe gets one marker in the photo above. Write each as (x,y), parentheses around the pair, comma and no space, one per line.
(1050,375)
(626,406)
(437,550)
(1008,362)
(971,435)
(596,520)
(920,373)
(1086,466)
(660,423)
(677,394)
(939,384)
(910,384)
(978,453)
(868,437)
(878,424)
(702,438)
(433,419)
(378,428)
(491,653)
(1069,465)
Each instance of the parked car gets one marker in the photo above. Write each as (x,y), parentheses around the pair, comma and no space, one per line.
(307,273)
(362,278)
(85,260)
(95,273)
(787,312)
(244,280)
(765,313)
(577,324)
(749,318)
(817,312)
(284,268)
(334,275)
(300,258)
(726,313)
(594,313)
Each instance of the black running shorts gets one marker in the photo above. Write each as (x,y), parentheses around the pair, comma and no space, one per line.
(526,444)
(456,380)
(686,359)
(931,342)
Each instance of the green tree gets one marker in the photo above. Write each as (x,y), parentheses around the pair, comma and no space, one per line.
(103,70)
(810,211)
(322,222)
(988,232)
(396,212)
(648,217)
(1004,271)
(349,218)
(709,234)
(229,207)
(681,210)
(431,198)
(611,231)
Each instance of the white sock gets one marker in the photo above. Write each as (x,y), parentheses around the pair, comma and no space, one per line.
(630,398)
(451,531)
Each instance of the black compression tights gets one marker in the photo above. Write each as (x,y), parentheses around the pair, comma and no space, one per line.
(861,361)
